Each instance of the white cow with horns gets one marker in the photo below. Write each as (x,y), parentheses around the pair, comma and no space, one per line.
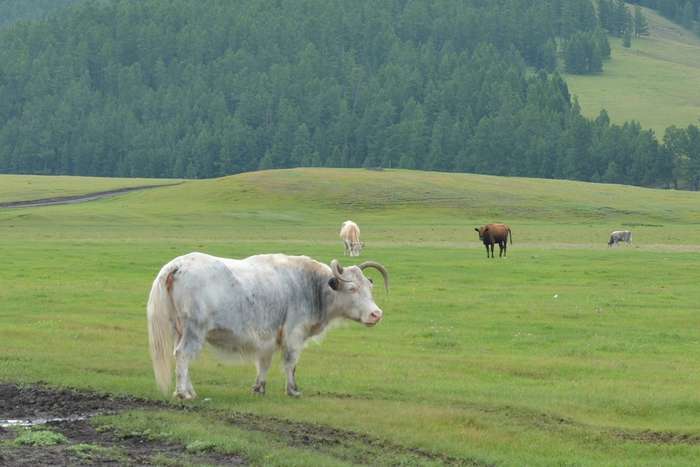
(350,234)
(250,308)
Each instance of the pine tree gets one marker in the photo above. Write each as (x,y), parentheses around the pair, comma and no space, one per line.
(549,56)
(627,38)
(596,59)
(605,14)
(686,18)
(612,173)
(602,43)
(641,26)
(693,138)
(574,55)
(620,18)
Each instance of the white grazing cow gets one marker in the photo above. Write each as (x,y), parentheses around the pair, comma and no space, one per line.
(250,307)
(350,234)
(620,236)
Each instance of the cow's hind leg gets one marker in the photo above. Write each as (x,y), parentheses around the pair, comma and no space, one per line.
(262,364)
(291,357)
(292,349)
(187,349)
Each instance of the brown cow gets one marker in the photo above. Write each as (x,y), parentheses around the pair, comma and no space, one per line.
(495,233)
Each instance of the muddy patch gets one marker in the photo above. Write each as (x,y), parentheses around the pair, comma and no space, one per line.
(86,445)
(29,413)
(36,404)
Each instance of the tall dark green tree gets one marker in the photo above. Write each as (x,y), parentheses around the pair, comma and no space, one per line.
(627,38)
(641,25)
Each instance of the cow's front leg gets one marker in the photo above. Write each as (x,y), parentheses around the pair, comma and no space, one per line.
(262,364)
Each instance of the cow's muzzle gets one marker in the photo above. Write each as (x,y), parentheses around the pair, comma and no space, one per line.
(373,318)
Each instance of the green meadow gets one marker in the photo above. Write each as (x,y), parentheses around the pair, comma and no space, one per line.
(654,82)
(567,352)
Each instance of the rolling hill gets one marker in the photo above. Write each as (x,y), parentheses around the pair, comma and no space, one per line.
(655,82)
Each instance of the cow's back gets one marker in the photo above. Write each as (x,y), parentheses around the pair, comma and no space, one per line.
(498,232)
(350,231)
(247,297)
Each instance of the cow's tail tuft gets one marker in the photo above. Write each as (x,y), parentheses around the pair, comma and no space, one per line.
(161,313)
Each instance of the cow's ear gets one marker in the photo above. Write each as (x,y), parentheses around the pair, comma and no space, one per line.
(333,283)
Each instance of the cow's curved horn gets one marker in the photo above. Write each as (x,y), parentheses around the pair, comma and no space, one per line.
(378,267)
(338,270)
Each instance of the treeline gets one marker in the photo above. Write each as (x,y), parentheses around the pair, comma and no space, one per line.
(16,10)
(683,12)
(178,88)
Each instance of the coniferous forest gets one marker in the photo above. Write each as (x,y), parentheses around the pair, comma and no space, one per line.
(184,88)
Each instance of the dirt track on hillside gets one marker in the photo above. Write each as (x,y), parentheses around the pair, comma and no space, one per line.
(74,199)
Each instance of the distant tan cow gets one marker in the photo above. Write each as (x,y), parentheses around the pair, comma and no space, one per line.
(350,234)
(495,233)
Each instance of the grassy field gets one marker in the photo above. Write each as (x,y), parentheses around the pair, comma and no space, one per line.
(654,82)
(565,353)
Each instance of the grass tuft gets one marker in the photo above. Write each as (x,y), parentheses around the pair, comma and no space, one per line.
(40,438)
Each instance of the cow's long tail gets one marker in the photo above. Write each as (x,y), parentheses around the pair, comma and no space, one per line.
(510,235)
(161,312)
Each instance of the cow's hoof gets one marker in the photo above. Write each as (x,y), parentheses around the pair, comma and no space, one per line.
(259,389)
(293,392)
(185,396)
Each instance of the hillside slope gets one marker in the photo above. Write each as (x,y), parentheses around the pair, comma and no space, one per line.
(655,82)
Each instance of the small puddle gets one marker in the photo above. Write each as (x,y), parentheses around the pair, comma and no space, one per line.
(9,423)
